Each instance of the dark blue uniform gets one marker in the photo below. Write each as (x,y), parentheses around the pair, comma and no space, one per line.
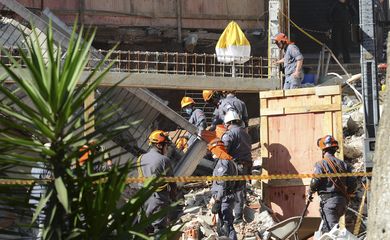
(224,191)
(332,191)
(198,119)
(231,102)
(150,164)
(238,144)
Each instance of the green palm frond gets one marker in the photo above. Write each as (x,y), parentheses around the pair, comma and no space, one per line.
(70,204)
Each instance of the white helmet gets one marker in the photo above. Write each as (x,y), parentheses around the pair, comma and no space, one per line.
(231,115)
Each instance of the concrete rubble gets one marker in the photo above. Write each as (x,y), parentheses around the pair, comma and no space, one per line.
(200,223)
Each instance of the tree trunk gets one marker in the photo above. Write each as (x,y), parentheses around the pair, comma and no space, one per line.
(379,205)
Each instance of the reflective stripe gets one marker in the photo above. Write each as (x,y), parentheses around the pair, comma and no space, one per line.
(141,174)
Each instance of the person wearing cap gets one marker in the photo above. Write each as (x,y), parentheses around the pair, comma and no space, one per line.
(214,98)
(197,116)
(156,163)
(292,60)
(231,102)
(223,192)
(334,192)
(238,144)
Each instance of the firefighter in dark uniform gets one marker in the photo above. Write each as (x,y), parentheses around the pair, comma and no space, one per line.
(231,102)
(238,144)
(196,115)
(334,192)
(156,163)
(223,192)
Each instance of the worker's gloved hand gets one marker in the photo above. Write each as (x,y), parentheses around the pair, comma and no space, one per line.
(216,207)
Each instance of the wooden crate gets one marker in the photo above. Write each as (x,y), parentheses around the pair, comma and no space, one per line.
(291,123)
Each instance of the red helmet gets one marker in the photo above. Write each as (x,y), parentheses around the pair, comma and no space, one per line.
(327,142)
(281,37)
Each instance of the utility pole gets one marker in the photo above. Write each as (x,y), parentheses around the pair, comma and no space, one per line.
(369,79)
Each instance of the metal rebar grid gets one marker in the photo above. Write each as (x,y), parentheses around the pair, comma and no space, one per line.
(185,64)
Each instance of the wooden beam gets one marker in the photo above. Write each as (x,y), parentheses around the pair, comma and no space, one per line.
(179,82)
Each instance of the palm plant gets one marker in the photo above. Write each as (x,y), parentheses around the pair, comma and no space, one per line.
(45,130)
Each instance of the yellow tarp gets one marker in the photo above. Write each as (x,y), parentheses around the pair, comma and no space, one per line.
(233,45)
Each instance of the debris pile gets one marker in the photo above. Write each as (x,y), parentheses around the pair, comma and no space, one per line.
(200,223)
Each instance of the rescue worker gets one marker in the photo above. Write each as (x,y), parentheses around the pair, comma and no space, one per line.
(197,116)
(223,192)
(155,163)
(231,102)
(238,144)
(94,152)
(334,192)
(214,98)
(292,60)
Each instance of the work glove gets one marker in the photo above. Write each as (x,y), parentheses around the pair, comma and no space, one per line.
(216,208)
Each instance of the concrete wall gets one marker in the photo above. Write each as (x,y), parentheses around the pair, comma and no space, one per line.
(205,14)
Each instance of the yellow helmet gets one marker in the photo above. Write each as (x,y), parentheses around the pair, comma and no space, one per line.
(158,136)
(207,95)
(185,101)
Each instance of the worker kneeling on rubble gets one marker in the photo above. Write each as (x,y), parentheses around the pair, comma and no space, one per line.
(334,192)
(156,163)
(223,191)
(238,144)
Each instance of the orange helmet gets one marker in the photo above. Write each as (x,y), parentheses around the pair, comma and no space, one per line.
(185,101)
(281,37)
(327,142)
(217,148)
(207,95)
(158,136)
(84,150)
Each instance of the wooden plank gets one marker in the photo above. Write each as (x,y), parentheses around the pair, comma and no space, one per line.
(271,111)
(327,124)
(311,109)
(328,90)
(299,92)
(290,201)
(271,94)
(338,127)
(289,182)
(291,143)
(264,136)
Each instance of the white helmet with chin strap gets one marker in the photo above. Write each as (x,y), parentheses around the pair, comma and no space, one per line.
(231,115)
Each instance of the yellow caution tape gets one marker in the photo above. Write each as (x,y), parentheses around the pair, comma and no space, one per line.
(185,179)
(303,31)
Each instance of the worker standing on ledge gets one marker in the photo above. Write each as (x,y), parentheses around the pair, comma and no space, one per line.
(334,192)
(238,145)
(156,163)
(292,60)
